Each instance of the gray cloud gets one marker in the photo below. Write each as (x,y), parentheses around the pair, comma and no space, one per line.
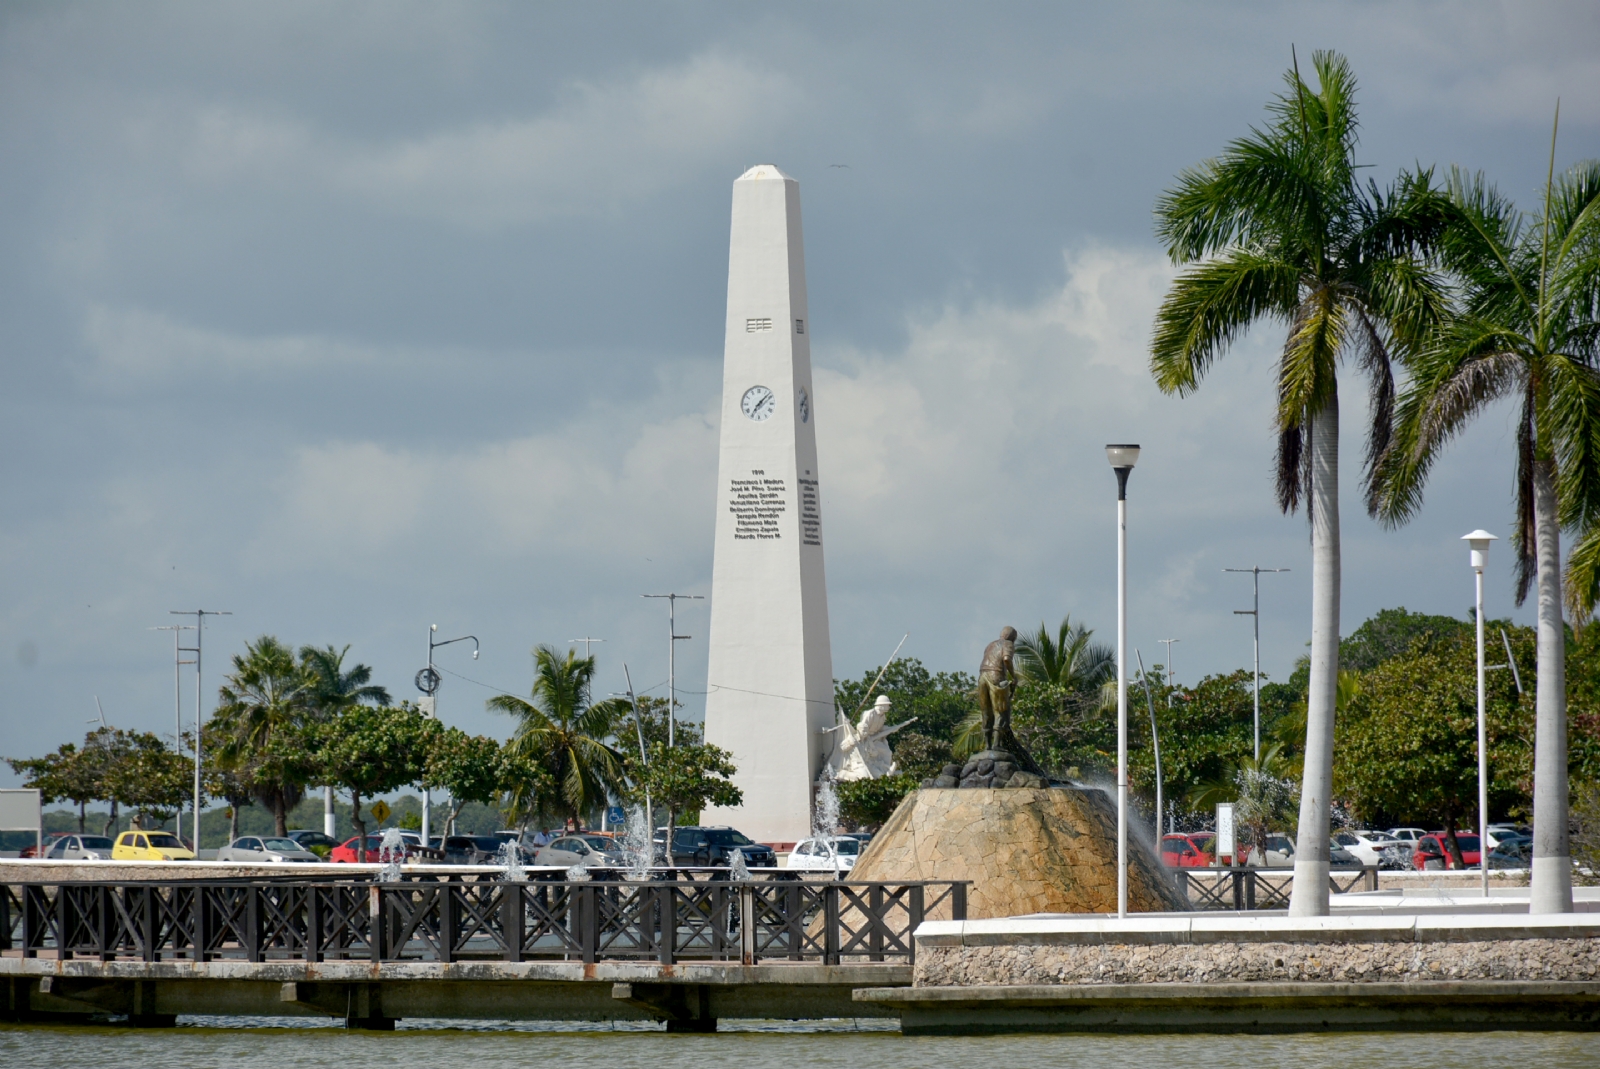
(354,319)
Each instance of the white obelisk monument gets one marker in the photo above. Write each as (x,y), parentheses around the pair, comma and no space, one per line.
(769,688)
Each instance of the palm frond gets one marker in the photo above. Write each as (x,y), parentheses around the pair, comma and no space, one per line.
(1208,307)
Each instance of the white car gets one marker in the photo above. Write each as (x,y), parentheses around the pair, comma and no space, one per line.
(1408,835)
(269,849)
(832,853)
(1280,853)
(1366,847)
(79,848)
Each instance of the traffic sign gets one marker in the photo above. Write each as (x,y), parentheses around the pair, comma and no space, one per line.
(380,811)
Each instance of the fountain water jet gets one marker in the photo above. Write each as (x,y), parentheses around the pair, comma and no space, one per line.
(391,850)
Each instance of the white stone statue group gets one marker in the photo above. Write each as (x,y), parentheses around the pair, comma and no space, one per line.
(863,752)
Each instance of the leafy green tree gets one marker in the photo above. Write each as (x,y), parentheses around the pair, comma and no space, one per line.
(475,768)
(1390,633)
(1279,227)
(69,774)
(372,750)
(266,708)
(563,732)
(684,779)
(867,803)
(1528,328)
(920,756)
(939,701)
(1206,732)
(147,776)
(652,724)
(1408,744)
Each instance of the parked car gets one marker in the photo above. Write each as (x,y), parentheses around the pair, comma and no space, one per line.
(1187,851)
(1500,832)
(150,846)
(1431,853)
(471,849)
(832,853)
(265,850)
(345,852)
(1280,852)
(714,846)
(79,848)
(1512,852)
(590,849)
(1366,846)
(312,839)
(1409,835)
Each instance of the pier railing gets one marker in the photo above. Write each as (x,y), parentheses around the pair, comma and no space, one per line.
(1226,888)
(447,920)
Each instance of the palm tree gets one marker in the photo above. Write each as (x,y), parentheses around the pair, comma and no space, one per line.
(1528,329)
(333,688)
(265,705)
(1278,227)
(562,731)
(1066,659)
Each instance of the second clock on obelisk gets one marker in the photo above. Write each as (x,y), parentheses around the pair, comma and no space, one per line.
(769,671)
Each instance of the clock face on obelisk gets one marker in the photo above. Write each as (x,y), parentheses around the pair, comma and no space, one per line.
(758,403)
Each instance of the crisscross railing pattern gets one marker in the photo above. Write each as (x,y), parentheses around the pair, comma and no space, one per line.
(1225,888)
(446,919)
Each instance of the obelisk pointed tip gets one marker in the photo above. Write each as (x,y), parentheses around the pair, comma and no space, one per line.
(763,171)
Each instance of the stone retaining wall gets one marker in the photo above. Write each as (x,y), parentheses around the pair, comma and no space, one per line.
(1489,959)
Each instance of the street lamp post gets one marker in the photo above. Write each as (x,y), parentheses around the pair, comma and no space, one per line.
(430,675)
(1254,612)
(1479,541)
(1122,458)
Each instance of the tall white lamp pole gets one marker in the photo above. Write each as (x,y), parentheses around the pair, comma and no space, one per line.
(1479,541)
(1122,458)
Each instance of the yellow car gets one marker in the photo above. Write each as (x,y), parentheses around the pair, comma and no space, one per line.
(150,846)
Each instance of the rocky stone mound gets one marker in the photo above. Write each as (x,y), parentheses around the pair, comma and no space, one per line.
(989,768)
(1039,850)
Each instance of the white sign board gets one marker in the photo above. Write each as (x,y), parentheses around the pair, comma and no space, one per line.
(1227,840)
(22,809)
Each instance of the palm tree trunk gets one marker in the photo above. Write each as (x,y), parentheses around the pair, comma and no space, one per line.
(1551,882)
(1310,895)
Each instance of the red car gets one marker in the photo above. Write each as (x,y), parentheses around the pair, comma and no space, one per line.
(1430,852)
(1187,851)
(346,851)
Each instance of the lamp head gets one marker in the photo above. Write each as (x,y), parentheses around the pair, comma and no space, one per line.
(1479,541)
(1122,458)
(433,627)
(474,655)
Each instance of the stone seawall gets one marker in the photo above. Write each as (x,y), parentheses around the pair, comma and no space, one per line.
(1256,948)
(1520,959)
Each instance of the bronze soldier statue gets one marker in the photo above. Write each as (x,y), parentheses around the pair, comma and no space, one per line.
(997,681)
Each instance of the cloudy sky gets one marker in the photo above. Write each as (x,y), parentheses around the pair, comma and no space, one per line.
(353,318)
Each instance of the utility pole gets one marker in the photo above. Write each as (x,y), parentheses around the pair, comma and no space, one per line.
(1254,612)
(1172,673)
(199,700)
(177,691)
(586,641)
(672,659)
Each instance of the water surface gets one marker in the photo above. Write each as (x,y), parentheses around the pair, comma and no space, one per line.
(249,1043)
